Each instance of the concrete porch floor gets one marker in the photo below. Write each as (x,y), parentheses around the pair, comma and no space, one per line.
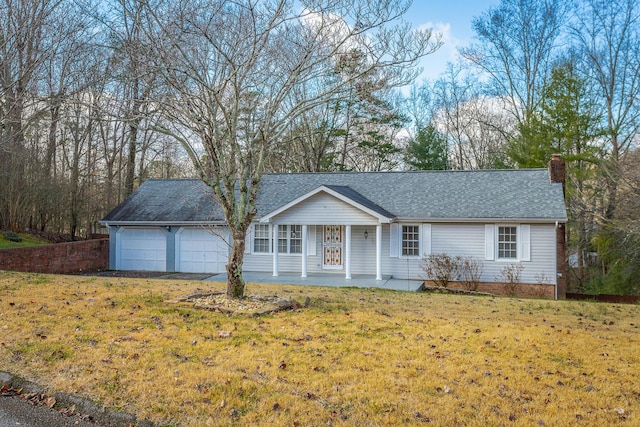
(336,280)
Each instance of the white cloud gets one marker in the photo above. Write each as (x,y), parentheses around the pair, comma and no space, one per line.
(435,63)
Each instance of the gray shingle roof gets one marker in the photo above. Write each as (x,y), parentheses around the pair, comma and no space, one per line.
(439,195)
(170,201)
(360,199)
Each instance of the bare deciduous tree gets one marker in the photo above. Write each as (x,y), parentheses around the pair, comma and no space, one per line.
(234,68)
(477,127)
(608,35)
(517,40)
(24,26)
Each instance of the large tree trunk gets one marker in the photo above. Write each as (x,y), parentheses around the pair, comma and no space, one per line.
(235,282)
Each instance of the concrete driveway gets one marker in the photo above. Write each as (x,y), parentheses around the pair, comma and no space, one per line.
(15,411)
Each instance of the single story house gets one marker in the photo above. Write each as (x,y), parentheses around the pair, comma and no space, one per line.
(372,223)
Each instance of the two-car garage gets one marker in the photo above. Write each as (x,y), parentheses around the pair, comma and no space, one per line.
(182,249)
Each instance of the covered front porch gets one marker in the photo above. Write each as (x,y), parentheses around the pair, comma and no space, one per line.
(323,279)
(338,250)
(319,227)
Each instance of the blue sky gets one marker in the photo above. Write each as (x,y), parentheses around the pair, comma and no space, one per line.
(451,17)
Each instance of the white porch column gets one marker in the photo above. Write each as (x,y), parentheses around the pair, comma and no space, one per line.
(347,250)
(304,251)
(379,252)
(274,248)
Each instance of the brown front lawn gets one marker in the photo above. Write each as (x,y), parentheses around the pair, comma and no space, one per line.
(352,357)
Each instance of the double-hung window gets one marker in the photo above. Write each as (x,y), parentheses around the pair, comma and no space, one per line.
(261,240)
(286,238)
(507,242)
(290,239)
(411,240)
(295,239)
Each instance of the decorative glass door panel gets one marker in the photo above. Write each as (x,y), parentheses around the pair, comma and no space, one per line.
(332,247)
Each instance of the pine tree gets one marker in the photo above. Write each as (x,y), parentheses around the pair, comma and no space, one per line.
(427,150)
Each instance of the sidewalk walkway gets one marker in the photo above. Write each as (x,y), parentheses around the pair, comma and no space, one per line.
(336,280)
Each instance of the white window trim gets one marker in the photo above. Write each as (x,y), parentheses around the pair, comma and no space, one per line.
(276,244)
(401,240)
(253,238)
(497,244)
(273,240)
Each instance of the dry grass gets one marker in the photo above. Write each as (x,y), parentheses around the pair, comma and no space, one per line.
(353,357)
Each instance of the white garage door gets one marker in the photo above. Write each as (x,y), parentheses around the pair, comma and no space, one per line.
(142,249)
(198,250)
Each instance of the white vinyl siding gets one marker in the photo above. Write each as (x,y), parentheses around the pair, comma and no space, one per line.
(525,242)
(542,260)
(363,251)
(323,208)
(394,240)
(426,239)
(458,239)
(471,240)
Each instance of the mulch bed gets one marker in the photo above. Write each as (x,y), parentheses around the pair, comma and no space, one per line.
(250,305)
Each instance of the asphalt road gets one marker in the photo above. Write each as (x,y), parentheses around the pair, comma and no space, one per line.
(18,412)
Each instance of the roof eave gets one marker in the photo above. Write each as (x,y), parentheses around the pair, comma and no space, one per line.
(484,220)
(162,223)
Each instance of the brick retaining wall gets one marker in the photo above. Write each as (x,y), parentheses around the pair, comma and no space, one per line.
(525,290)
(60,258)
(616,299)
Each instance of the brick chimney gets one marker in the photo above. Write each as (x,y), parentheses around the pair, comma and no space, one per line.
(557,169)
(557,174)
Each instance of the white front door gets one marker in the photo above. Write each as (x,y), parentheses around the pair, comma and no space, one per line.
(332,247)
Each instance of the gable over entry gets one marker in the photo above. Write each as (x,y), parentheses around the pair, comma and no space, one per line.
(344,205)
(337,209)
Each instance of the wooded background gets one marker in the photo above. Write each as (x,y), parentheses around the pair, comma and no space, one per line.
(96,97)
